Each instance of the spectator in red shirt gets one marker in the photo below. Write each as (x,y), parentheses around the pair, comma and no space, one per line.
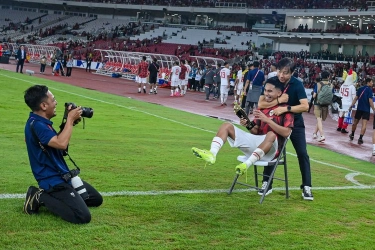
(142,74)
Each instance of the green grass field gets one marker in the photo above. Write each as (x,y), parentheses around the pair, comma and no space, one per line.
(157,195)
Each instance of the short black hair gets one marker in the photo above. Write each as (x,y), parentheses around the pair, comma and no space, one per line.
(35,95)
(218,65)
(276,82)
(325,74)
(368,80)
(256,64)
(144,58)
(225,63)
(286,63)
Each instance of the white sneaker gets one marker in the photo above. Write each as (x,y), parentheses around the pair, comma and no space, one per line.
(321,138)
(315,136)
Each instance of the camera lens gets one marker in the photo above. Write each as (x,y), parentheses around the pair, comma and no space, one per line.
(87,112)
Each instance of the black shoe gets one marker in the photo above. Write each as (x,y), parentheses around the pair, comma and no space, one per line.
(360,141)
(139,91)
(155,92)
(338,129)
(264,185)
(344,131)
(32,204)
(144,91)
(351,137)
(306,194)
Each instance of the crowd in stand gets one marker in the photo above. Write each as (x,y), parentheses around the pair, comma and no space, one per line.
(268,4)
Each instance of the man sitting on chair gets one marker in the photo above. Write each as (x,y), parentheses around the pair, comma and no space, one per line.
(265,140)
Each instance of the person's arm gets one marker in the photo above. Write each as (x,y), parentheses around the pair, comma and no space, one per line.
(353,102)
(262,103)
(61,140)
(278,129)
(253,131)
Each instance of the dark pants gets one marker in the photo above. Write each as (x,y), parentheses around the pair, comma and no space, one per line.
(52,65)
(217,90)
(68,71)
(192,83)
(42,68)
(88,67)
(207,90)
(298,139)
(20,62)
(62,200)
(249,106)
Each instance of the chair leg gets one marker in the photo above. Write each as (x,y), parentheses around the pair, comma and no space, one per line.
(286,179)
(233,184)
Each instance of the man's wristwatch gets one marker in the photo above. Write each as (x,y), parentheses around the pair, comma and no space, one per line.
(289,108)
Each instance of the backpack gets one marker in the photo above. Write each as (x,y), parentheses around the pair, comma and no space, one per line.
(325,94)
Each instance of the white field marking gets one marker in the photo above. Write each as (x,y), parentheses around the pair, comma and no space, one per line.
(4,196)
(350,177)
(209,191)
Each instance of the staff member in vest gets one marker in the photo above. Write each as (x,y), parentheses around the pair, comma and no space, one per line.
(21,56)
(256,79)
(208,80)
(295,96)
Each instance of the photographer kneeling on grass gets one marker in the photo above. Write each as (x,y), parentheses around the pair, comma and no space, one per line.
(60,190)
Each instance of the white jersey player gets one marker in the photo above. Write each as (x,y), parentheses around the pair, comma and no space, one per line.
(224,87)
(175,80)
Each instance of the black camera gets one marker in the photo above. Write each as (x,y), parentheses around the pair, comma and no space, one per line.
(86,112)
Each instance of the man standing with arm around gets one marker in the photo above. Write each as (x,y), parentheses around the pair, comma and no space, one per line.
(295,96)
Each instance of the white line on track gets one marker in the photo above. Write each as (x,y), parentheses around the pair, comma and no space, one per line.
(349,177)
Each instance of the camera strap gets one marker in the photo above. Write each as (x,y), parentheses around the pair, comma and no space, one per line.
(45,150)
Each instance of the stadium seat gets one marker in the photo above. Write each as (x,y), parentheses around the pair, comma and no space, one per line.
(281,160)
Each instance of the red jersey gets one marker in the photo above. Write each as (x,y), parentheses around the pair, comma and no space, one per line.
(183,72)
(285,120)
(142,69)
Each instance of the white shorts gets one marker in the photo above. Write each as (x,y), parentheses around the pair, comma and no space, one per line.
(175,82)
(239,88)
(247,143)
(184,82)
(224,90)
(142,80)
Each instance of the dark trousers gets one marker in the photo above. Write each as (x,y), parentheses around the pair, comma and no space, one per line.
(192,83)
(42,68)
(88,67)
(20,62)
(249,106)
(207,90)
(68,71)
(217,90)
(52,65)
(63,201)
(298,139)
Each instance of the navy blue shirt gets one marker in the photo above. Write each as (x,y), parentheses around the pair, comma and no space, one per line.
(259,79)
(296,91)
(363,99)
(46,172)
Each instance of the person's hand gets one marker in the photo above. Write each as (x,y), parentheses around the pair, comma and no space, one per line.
(261,116)
(283,98)
(74,114)
(280,110)
(243,122)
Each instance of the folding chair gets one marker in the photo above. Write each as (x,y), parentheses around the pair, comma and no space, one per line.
(280,160)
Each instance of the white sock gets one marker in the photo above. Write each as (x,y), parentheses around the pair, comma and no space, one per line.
(185,87)
(139,89)
(144,87)
(216,145)
(256,156)
(172,91)
(155,88)
(373,147)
